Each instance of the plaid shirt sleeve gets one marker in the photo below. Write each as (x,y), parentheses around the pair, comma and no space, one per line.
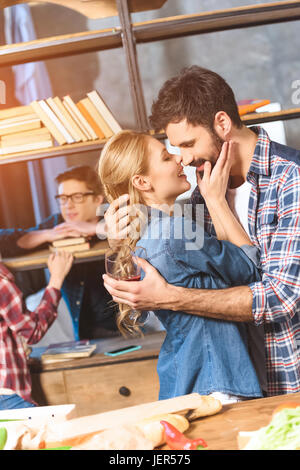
(277,295)
(31,325)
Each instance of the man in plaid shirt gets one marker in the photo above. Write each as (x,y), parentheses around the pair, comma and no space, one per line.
(199,113)
(19,327)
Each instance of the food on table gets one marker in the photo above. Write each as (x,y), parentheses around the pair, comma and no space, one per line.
(282,432)
(154,430)
(133,428)
(176,440)
(122,438)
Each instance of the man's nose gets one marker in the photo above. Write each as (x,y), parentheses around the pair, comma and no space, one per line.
(186,157)
(70,202)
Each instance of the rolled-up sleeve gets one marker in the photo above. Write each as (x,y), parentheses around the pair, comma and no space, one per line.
(277,296)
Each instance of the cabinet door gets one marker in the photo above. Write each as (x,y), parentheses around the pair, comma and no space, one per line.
(104,388)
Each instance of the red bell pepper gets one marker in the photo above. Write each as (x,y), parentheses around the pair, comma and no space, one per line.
(178,441)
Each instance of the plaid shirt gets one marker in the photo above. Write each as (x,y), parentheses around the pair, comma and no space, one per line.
(18,324)
(274,226)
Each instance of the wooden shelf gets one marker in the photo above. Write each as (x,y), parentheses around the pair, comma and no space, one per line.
(150,31)
(219,20)
(94,8)
(51,152)
(284,115)
(154,30)
(60,46)
(95,145)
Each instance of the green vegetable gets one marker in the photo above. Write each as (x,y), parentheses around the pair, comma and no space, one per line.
(3,438)
(283,432)
(58,448)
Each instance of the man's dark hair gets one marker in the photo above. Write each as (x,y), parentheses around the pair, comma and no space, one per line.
(196,94)
(82,173)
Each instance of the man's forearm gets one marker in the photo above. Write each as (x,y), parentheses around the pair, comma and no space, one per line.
(33,239)
(232,304)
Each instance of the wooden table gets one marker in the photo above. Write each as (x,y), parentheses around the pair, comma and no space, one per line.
(221,431)
(38,259)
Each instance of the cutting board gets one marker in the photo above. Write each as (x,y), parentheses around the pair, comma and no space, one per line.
(98,422)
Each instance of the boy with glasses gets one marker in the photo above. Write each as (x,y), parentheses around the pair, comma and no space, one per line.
(79,195)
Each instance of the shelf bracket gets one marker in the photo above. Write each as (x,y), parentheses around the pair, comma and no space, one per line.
(133,69)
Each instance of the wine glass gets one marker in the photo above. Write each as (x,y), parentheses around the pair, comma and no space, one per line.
(122,264)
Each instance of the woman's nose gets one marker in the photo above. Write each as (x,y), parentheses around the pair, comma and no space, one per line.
(178,159)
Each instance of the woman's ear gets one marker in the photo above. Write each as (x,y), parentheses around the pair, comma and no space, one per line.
(142,183)
(223,125)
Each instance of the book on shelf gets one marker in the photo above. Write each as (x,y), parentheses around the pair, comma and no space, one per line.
(250,106)
(13,126)
(65,120)
(58,136)
(72,121)
(104,111)
(34,135)
(68,350)
(69,241)
(74,116)
(91,134)
(85,112)
(56,122)
(100,122)
(71,248)
(15,111)
(19,147)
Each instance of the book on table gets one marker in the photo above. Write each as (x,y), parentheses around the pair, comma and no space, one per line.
(71,248)
(68,350)
(69,241)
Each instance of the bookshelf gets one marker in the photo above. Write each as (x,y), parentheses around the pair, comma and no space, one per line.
(127,36)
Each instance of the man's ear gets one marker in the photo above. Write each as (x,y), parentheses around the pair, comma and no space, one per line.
(223,125)
(140,182)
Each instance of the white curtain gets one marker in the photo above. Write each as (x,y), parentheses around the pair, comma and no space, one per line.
(32,83)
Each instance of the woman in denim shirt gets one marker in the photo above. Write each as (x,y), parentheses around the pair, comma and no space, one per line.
(199,354)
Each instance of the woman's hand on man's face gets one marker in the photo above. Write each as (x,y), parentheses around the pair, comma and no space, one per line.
(214,181)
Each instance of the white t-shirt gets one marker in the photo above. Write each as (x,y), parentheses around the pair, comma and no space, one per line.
(238,201)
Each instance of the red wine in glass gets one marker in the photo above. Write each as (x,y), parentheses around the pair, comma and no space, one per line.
(121,264)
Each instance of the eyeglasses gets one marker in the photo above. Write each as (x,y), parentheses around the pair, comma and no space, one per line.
(76,198)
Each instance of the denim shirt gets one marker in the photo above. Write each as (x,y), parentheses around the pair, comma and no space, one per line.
(199,354)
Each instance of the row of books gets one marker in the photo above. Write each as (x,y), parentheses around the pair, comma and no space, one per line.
(54,120)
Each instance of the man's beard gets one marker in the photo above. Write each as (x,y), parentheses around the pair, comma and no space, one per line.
(218,142)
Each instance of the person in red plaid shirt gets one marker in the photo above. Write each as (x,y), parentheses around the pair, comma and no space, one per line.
(19,327)
(198,111)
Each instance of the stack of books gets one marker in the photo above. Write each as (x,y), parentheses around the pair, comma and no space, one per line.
(70,244)
(68,350)
(44,123)
(250,106)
